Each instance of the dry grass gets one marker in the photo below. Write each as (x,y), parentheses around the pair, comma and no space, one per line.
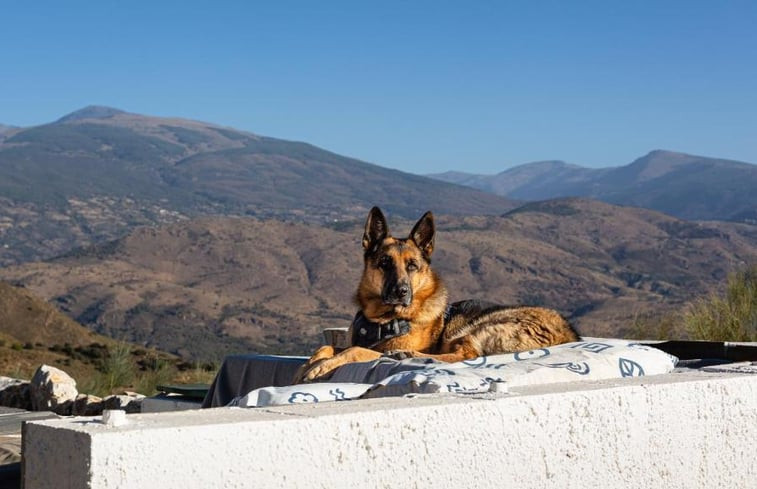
(114,369)
(651,327)
(125,369)
(731,317)
(728,316)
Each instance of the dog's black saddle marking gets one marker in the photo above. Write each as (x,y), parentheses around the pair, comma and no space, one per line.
(367,334)
(468,308)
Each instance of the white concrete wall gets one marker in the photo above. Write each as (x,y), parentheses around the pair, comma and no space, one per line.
(678,430)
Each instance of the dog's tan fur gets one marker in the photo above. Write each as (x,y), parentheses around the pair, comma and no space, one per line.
(398,283)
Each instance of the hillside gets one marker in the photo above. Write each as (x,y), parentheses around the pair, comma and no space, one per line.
(96,173)
(33,332)
(206,287)
(685,186)
(28,319)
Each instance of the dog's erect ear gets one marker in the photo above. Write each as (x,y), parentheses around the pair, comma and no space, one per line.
(423,233)
(375,229)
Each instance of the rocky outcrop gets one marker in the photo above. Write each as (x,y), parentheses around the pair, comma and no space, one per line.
(52,389)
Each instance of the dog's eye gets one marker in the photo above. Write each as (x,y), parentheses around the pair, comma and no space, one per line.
(385,262)
(412,266)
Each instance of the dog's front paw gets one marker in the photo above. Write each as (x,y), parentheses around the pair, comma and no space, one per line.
(400,354)
(320,372)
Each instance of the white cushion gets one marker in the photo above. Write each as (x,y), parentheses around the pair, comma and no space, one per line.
(589,359)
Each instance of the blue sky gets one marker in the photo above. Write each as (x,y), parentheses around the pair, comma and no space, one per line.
(422,86)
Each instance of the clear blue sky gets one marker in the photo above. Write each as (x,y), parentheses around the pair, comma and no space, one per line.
(423,86)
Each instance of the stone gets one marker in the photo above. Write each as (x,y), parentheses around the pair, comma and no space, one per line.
(8,381)
(129,403)
(87,405)
(64,408)
(17,396)
(114,417)
(52,388)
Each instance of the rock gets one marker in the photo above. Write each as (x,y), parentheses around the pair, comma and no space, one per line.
(8,381)
(63,408)
(87,405)
(17,396)
(129,403)
(52,389)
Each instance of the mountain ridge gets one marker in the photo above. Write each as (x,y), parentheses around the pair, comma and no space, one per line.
(91,112)
(683,185)
(98,172)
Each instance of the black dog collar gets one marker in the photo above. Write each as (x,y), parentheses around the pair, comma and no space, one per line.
(367,334)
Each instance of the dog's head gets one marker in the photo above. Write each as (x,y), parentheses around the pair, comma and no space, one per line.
(397,277)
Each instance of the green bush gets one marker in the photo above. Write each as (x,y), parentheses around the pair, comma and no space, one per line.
(116,370)
(729,318)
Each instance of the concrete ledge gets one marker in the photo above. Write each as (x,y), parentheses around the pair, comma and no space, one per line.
(678,430)
(169,402)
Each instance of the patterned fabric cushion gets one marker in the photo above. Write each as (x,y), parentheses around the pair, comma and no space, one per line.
(589,359)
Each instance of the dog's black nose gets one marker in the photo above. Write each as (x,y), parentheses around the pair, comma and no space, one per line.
(398,294)
(404,294)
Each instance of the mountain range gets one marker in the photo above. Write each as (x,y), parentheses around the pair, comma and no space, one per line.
(682,185)
(211,286)
(98,172)
(204,240)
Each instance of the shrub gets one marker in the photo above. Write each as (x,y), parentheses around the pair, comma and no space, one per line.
(118,368)
(729,318)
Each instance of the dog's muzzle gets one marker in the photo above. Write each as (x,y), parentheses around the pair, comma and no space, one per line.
(399,295)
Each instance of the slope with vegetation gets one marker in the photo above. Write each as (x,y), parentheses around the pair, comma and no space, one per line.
(206,287)
(729,314)
(33,332)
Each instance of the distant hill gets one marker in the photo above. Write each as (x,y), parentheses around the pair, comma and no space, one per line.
(33,332)
(210,286)
(98,172)
(30,319)
(685,186)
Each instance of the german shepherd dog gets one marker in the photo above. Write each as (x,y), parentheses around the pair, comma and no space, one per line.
(404,312)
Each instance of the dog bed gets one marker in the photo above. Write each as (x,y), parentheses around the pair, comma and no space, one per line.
(589,359)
